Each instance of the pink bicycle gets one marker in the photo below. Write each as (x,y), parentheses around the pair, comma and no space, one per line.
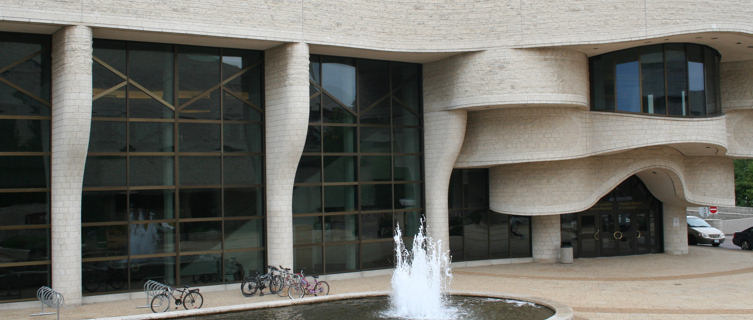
(308,285)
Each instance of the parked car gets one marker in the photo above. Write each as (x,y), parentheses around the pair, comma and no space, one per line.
(700,232)
(744,239)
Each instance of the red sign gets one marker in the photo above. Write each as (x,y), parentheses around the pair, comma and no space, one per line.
(713,210)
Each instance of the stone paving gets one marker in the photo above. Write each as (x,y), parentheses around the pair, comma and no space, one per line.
(708,283)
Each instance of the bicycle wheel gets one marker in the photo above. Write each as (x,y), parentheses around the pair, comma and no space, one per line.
(321,288)
(275,284)
(160,303)
(285,284)
(295,291)
(193,300)
(248,287)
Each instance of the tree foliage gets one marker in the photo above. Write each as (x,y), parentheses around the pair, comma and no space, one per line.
(744,183)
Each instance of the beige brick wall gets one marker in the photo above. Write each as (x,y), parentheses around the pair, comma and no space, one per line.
(557,187)
(71,119)
(556,133)
(286,72)
(508,78)
(546,238)
(675,229)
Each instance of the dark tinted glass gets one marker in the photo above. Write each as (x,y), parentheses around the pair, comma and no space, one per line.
(475,234)
(150,238)
(377,226)
(199,137)
(150,66)
(151,137)
(104,241)
(376,197)
(499,235)
(239,264)
(24,172)
(105,276)
(200,236)
(313,140)
(242,137)
(376,168)
(307,199)
(105,171)
(25,245)
(309,169)
(244,234)
(335,112)
(28,208)
(201,269)
(339,139)
(107,136)
(713,95)
(340,198)
(157,269)
(520,236)
(602,83)
(21,135)
(340,228)
(198,72)
(339,79)
(373,82)
(151,171)
(407,168)
(199,170)
(652,80)
(340,169)
(308,259)
(100,206)
(377,255)
(307,230)
(696,81)
(407,140)
(677,80)
(23,282)
(627,82)
(243,170)
(408,196)
(151,205)
(243,202)
(200,203)
(375,140)
(341,258)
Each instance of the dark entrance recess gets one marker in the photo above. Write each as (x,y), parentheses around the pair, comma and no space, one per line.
(626,221)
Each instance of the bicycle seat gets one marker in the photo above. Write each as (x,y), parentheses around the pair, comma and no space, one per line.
(315,277)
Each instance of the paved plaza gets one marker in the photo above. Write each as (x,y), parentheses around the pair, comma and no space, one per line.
(708,283)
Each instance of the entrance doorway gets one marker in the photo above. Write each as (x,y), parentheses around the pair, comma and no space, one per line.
(626,221)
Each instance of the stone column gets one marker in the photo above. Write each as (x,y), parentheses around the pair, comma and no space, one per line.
(675,230)
(71,120)
(286,77)
(444,132)
(545,238)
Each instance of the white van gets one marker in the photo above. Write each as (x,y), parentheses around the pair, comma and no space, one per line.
(699,231)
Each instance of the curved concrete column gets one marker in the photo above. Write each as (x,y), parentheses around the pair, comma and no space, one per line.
(71,121)
(546,238)
(443,137)
(675,229)
(286,79)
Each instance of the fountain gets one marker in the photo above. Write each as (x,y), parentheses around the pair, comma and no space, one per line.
(420,280)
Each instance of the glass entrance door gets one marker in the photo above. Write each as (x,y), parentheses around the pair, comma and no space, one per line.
(588,236)
(608,234)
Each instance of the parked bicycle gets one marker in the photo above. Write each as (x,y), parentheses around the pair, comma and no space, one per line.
(289,279)
(187,297)
(308,285)
(259,282)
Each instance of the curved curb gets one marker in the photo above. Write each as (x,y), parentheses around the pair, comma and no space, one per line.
(561,311)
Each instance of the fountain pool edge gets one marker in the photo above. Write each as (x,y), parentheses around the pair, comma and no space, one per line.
(561,311)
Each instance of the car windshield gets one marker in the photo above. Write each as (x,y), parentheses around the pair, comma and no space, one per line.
(697,222)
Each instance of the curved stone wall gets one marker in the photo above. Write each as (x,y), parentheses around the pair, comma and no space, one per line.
(558,187)
(736,81)
(508,78)
(423,25)
(555,133)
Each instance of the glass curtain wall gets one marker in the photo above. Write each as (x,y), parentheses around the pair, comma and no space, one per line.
(173,186)
(361,170)
(477,233)
(24,165)
(672,79)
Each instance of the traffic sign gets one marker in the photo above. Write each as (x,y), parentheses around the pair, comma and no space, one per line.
(713,210)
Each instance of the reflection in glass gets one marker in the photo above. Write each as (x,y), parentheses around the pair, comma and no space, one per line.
(27,208)
(105,276)
(377,255)
(308,259)
(339,139)
(408,168)
(107,136)
(243,170)
(150,137)
(520,236)
(149,238)
(307,199)
(377,226)
(376,168)
(340,198)
(652,79)
(25,245)
(199,203)
(200,236)
(339,169)
(104,171)
(199,137)
(201,269)
(23,282)
(243,202)
(157,269)
(199,171)
(696,81)
(104,241)
(309,169)
(340,228)
(240,264)
(375,139)
(307,230)
(242,137)
(150,204)
(341,258)
(408,195)
(151,171)
(339,79)
(628,86)
(376,197)
(244,234)
(475,235)
(197,72)
(20,135)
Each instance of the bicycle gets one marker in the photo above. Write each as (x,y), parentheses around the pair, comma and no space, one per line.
(288,279)
(189,298)
(270,280)
(308,285)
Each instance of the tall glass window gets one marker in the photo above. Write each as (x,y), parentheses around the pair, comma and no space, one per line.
(24,164)
(361,171)
(476,233)
(173,186)
(671,79)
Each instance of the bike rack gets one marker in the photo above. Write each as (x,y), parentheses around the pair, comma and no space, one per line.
(151,289)
(50,298)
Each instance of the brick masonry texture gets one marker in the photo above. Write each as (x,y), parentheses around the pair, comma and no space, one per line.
(675,229)
(71,119)
(546,238)
(286,72)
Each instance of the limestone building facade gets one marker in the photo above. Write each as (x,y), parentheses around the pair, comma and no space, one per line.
(193,141)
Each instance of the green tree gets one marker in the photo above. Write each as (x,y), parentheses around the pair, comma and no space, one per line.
(744,183)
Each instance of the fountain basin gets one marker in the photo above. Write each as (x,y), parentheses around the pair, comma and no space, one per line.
(560,311)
